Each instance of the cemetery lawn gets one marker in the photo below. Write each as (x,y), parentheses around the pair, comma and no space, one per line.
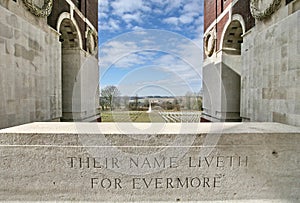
(130,116)
(154,116)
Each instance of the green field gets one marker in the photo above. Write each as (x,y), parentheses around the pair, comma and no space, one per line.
(154,116)
(130,116)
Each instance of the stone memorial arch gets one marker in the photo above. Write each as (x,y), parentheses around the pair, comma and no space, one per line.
(79,67)
(231,43)
(70,45)
(222,71)
(251,66)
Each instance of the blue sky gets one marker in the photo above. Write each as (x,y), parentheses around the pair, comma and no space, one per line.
(151,47)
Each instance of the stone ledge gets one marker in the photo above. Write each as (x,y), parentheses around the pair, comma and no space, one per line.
(150,128)
(211,162)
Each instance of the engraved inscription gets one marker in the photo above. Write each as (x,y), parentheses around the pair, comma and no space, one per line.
(191,164)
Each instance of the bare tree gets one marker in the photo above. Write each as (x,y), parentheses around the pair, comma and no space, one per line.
(109,93)
(103,103)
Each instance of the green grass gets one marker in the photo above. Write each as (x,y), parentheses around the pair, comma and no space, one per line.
(130,116)
(143,116)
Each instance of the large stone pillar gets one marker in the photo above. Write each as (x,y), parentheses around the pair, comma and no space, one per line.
(80,78)
(221,93)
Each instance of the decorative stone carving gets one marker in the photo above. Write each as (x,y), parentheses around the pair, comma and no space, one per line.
(263,13)
(209,43)
(44,11)
(92,42)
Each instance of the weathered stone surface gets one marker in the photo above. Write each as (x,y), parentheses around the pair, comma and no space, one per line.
(21,51)
(17,34)
(2,45)
(279,117)
(31,69)
(13,21)
(270,67)
(32,56)
(150,162)
(34,44)
(10,49)
(6,31)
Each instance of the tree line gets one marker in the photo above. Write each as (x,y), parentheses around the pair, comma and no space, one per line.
(111,99)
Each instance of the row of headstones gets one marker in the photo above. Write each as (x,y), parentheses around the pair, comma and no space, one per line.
(175,117)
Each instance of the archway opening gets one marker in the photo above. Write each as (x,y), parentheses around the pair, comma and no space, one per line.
(69,35)
(231,69)
(69,39)
(233,38)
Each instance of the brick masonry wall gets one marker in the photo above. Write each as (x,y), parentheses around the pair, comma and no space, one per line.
(220,28)
(210,7)
(209,13)
(92,12)
(243,8)
(89,8)
(226,3)
(82,26)
(59,6)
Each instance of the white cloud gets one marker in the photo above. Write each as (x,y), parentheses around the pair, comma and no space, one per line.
(178,66)
(111,25)
(156,40)
(121,54)
(132,17)
(114,24)
(147,42)
(173,5)
(193,6)
(157,82)
(135,14)
(188,11)
(186,19)
(158,11)
(129,61)
(174,56)
(104,6)
(103,9)
(177,57)
(171,20)
(128,6)
(127,10)
(138,28)
(135,59)
(103,16)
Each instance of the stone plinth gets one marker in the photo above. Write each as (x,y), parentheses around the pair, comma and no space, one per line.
(221,89)
(236,162)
